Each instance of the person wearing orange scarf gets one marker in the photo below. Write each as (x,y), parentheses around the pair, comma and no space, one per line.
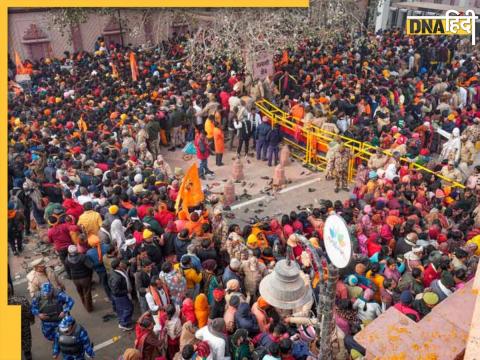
(95,254)
(201,310)
(157,298)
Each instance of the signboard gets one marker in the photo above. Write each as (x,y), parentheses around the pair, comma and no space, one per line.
(262,66)
(337,241)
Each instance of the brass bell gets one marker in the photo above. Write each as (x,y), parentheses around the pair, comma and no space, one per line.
(284,288)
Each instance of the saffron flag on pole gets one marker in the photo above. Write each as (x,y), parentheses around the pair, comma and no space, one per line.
(190,193)
(284,60)
(82,125)
(114,71)
(18,62)
(133,66)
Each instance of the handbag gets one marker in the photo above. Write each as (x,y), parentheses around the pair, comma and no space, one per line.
(189,149)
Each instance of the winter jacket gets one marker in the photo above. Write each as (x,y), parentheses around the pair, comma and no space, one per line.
(244,319)
(263,130)
(274,138)
(229,318)
(202,148)
(154,224)
(191,276)
(262,318)
(180,247)
(118,284)
(406,310)
(79,266)
(253,277)
(402,247)
(216,344)
(441,290)
(429,275)
(59,235)
(369,312)
(229,274)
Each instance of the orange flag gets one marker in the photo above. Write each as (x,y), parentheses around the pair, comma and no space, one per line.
(114,71)
(18,62)
(284,59)
(82,125)
(190,193)
(133,66)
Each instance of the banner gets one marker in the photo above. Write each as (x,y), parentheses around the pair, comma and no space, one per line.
(262,66)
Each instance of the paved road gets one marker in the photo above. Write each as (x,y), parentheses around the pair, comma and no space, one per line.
(109,339)
(305,189)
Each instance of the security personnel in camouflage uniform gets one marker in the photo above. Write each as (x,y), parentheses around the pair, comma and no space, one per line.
(51,305)
(332,149)
(340,167)
(472,132)
(72,341)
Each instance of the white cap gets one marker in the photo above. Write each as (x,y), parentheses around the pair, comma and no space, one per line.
(138,178)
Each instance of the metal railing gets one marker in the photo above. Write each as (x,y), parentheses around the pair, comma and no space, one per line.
(305,142)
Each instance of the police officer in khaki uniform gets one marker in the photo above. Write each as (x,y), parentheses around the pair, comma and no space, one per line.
(341,160)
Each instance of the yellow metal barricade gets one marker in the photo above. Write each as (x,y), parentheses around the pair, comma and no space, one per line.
(314,137)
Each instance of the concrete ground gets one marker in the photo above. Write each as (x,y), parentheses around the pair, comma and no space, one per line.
(303,189)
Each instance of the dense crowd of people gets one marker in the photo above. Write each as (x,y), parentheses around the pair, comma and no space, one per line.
(85,162)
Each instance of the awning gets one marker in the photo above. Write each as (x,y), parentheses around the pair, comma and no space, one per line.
(435,7)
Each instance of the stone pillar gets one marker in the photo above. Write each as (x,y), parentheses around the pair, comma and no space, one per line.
(285,156)
(229,193)
(279,176)
(237,171)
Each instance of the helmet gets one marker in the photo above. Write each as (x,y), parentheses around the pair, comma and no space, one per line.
(66,322)
(46,288)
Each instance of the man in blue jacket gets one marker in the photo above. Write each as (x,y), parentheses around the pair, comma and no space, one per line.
(262,132)
(274,138)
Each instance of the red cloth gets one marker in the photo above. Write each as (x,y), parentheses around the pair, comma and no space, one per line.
(138,237)
(72,208)
(142,210)
(102,166)
(224,97)
(188,312)
(232,81)
(164,217)
(287,230)
(59,236)
(200,155)
(297,225)
(404,309)
(373,247)
(429,275)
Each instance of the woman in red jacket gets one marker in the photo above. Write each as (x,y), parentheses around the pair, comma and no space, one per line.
(203,153)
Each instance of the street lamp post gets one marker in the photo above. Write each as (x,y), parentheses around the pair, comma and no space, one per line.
(326,301)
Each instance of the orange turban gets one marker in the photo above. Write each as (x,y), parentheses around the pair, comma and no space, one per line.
(262,303)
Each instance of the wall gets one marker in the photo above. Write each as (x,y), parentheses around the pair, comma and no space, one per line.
(18,24)
(134,33)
